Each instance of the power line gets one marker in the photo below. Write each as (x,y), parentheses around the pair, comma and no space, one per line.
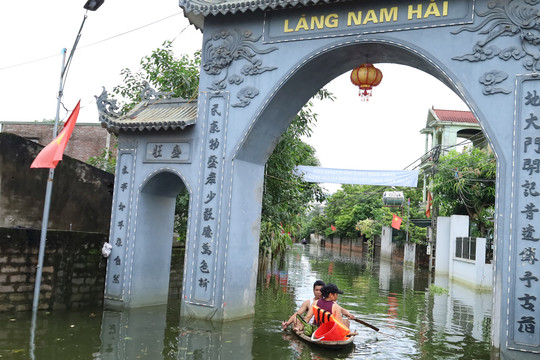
(130,31)
(92,44)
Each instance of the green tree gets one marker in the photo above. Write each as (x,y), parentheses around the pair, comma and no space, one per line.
(287,196)
(358,210)
(464,184)
(105,161)
(164,72)
(351,204)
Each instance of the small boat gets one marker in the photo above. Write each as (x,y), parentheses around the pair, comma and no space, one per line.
(325,344)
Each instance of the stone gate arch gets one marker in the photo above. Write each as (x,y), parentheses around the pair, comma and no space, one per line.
(303,80)
(156,200)
(262,60)
(153,166)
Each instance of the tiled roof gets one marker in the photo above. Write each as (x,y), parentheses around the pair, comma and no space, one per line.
(455,116)
(149,114)
(214,7)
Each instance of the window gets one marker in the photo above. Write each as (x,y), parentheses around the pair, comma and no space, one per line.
(466,248)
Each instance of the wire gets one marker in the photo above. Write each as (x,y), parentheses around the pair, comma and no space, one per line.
(92,44)
(130,31)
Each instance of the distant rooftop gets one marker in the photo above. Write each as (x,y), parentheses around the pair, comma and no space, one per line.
(457,116)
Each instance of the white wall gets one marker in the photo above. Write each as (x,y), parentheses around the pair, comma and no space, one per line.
(409,254)
(442,246)
(476,274)
(386,243)
(459,227)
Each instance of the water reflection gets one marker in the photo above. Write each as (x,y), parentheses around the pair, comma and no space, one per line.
(414,324)
(144,333)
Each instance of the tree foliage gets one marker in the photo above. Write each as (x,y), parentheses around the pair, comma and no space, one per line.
(357,210)
(464,184)
(105,161)
(164,72)
(286,195)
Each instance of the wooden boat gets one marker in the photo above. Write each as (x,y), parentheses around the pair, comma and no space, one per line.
(325,344)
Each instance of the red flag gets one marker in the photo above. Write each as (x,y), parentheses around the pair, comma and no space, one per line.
(429,203)
(396,221)
(52,153)
(333,227)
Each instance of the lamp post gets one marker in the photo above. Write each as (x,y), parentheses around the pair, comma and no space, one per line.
(91,5)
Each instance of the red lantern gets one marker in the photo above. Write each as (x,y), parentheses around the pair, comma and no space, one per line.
(366,76)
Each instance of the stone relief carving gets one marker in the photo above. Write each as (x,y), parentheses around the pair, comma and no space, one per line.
(106,105)
(245,95)
(490,79)
(515,18)
(148,93)
(228,46)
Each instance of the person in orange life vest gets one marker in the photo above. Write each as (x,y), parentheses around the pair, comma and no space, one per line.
(306,306)
(328,302)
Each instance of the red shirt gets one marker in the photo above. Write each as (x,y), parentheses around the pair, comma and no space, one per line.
(325,305)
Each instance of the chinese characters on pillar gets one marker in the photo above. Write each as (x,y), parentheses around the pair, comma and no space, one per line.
(213,152)
(525,321)
(168,152)
(119,227)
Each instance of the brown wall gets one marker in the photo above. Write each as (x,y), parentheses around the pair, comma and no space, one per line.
(86,141)
(81,196)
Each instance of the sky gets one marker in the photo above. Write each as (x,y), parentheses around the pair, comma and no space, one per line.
(380,134)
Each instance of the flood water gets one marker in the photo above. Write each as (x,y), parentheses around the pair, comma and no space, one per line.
(414,323)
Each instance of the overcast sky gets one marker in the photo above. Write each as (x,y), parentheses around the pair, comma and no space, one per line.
(381,134)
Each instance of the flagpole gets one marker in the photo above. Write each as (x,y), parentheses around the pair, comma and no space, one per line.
(48,195)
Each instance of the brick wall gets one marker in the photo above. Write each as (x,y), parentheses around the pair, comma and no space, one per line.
(87,140)
(73,270)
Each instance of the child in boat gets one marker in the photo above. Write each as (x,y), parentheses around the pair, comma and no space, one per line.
(306,306)
(328,303)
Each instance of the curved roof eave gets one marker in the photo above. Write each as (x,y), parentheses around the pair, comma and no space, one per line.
(197,10)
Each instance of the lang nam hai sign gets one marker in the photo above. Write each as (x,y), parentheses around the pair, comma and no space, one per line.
(363,17)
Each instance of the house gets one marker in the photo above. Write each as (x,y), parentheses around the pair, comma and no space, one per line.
(459,257)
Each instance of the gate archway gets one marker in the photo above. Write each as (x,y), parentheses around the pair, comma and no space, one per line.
(153,236)
(262,60)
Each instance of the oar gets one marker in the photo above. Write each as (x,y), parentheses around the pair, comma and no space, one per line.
(366,324)
(373,327)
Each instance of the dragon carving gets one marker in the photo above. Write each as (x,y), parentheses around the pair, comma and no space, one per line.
(514,18)
(226,47)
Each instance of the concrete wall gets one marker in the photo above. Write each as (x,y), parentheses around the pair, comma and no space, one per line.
(344,246)
(409,254)
(386,243)
(73,271)
(81,196)
(442,247)
(87,140)
(474,273)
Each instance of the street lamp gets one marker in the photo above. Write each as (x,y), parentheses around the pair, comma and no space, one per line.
(93,5)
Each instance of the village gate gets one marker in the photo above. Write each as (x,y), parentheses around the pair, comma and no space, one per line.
(261,61)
